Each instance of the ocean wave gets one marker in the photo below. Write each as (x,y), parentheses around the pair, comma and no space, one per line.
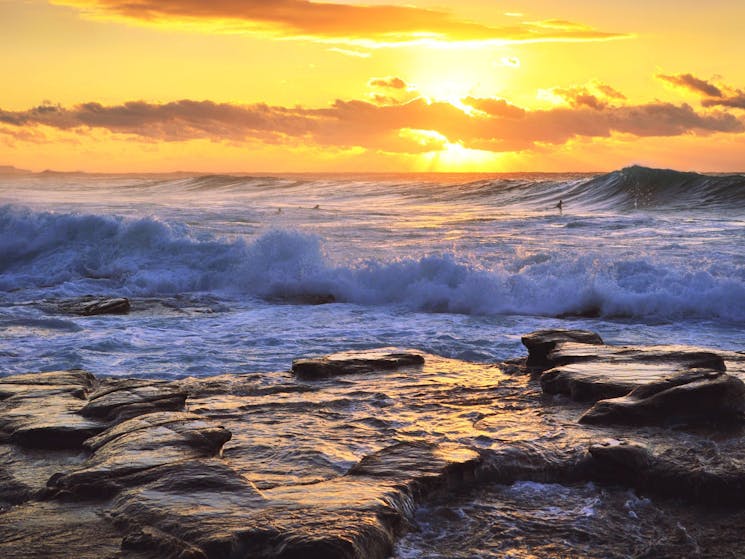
(46,254)
(628,189)
(623,190)
(632,188)
(640,187)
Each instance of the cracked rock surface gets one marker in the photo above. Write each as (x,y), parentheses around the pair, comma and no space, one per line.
(581,449)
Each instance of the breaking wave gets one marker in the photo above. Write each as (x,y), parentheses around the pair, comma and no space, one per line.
(46,254)
(628,189)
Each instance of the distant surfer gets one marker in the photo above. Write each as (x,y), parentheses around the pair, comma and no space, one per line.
(317,207)
(279,210)
(560,205)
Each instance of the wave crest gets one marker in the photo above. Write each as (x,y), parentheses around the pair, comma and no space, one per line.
(46,254)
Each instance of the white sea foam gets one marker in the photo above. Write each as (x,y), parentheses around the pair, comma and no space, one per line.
(63,254)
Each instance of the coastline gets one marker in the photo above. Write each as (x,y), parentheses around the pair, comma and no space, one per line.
(350,455)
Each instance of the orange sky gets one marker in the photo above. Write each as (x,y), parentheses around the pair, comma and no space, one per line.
(293,85)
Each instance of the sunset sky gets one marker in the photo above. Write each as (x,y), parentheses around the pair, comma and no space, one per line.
(416,85)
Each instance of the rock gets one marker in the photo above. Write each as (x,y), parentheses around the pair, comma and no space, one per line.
(125,398)
(339,469)
(693,396)
(591,373)
(40,410)
(89,306)
(196,509)
(419,462)
(139,444)
(24,472)
(624,455)
(353,362)
(61,409)
(57,530)
(305,299)
(541,342)
(692,473)
(205,509)
(75,377)
(685,357)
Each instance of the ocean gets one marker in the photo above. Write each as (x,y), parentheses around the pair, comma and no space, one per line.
(243,273)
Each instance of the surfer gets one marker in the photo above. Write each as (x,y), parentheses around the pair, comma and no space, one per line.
(317,207)
(560,205)
(279,210)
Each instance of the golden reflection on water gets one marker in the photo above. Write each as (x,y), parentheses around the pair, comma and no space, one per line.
(286,437)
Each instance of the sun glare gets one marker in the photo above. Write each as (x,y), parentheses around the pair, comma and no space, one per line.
(456,157)
(449,91)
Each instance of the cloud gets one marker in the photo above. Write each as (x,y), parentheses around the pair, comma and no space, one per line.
(595,95)
(374,24)
(608,91)
(350,52)
(692,83)
(178,120)
(495,107)
(715,96)
(391,82)
(405,127)
(736,101)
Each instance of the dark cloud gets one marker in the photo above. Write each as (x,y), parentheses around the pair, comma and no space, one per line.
(499,126)
(495,107)
(736,101)
(391,82)
(692,83)
(379,99)
(724,96)
(595,95)
(327,20)
(609,92)
(579,97)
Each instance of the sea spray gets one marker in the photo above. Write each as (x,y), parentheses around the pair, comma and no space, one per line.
(73,254)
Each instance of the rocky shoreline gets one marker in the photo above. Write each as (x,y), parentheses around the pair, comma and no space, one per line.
(335,458)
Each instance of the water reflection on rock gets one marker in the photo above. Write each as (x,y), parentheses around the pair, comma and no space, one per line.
(381,453)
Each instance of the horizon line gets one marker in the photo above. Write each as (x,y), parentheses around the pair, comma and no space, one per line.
(9,170)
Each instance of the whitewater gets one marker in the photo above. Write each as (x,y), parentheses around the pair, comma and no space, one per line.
(236,274)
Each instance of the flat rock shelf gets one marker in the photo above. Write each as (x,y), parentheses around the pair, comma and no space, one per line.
(384,453)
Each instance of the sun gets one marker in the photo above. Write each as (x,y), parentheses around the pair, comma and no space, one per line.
(454,157)
(448,91)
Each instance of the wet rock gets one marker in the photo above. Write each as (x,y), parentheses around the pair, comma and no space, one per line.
(624,456)
(40,410)
(194,508)
(352,362)
(25,382)
(202,508)
(420,463)
(683,357)
(24,472)
(591,373)
(58,530)
(341,469)
(90,306)
(359,515)
(123,399)
(540,343)
(306,299)
(693,396)
(697,473)
(145,442)
(352,518)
